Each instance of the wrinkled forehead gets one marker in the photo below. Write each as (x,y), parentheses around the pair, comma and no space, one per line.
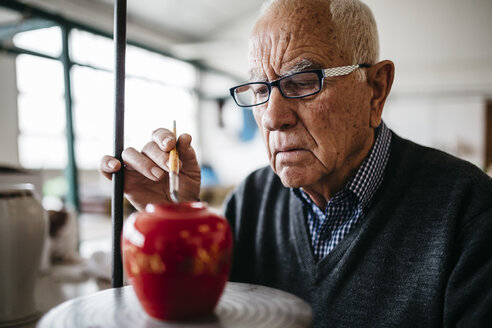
(257,72)
(286,40)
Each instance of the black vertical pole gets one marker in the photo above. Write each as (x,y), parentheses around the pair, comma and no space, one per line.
(119,120)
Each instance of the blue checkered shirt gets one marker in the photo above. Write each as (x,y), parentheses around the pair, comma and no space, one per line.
(347,207)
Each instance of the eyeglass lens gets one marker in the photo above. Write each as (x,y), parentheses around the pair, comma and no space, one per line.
(301,84)
(297,85)
(251,94)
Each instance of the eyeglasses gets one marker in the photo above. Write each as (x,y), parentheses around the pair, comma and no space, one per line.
(297,85)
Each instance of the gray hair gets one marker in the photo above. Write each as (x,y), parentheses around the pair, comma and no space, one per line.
(355,28)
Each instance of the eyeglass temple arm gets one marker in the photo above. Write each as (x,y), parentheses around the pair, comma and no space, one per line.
(342,70)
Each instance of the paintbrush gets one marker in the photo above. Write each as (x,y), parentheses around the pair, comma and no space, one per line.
(174,170)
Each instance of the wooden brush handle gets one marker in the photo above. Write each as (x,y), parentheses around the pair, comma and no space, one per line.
(174,161)
(174,158)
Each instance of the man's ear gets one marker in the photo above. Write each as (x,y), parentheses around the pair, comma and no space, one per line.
(380,79)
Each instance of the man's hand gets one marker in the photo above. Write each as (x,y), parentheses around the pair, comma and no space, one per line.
(146,172)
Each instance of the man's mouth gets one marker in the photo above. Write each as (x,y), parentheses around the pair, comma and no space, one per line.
(289,153)
(289,150)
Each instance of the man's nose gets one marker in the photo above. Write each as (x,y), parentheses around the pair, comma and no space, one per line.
(280,113)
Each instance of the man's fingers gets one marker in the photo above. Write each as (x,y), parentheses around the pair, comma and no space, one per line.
(155,153)
(109,165)
(164,142)
(108,176)
(141,163)
(186,152)
(164,139)
(184,140)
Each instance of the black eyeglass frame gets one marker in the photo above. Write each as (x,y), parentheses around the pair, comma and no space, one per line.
(321,73)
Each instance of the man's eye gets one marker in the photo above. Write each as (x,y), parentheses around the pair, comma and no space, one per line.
(308,83)
(300,84)
(261,90)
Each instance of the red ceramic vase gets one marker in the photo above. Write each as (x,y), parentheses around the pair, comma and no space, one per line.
(178,258)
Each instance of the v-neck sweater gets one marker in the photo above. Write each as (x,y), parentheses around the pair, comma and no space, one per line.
(420,257)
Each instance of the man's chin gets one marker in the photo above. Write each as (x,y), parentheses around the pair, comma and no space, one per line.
(293,181)
(291,185)
(295,176)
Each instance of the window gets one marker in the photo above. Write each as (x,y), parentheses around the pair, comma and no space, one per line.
(41,106)
(45,40)
(158,90)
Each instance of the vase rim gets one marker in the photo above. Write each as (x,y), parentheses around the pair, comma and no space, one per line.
(176,208)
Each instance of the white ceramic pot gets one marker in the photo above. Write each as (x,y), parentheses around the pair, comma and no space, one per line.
(23,224)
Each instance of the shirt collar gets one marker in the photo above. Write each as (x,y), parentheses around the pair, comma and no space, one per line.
(369,175)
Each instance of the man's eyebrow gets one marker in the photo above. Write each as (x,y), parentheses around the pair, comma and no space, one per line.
(302,65)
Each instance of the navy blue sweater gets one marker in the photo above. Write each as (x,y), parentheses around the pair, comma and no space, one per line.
(421,257)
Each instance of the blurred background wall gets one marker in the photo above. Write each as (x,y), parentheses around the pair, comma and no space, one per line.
(182,58)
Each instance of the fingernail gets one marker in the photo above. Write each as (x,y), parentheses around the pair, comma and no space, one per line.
(165,141)
(157,172)
(112,163)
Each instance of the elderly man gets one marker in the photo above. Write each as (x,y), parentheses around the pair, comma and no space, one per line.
(371,229)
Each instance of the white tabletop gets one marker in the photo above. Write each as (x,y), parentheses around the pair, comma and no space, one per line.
(241,305)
